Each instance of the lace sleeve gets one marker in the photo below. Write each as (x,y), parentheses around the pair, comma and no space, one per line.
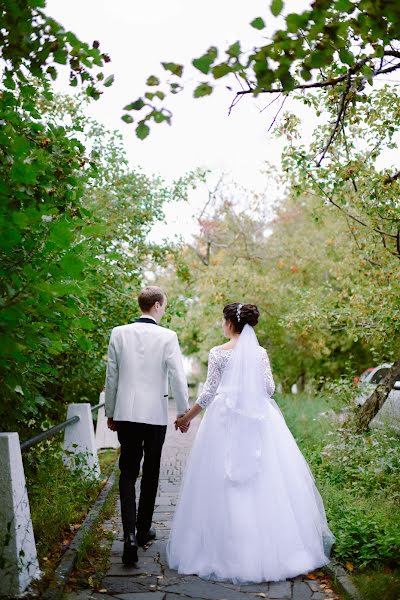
(212,382)
(269,380)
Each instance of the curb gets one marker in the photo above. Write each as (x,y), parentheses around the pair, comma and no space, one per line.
(64,567)
(342,580)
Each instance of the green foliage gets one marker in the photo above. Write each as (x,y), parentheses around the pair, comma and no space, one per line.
(258,23)
(33,43)
(337,45)
(276,7)
(74,222)
(321,302)
(349,179)
(202,90)
(378,583)
(59,498)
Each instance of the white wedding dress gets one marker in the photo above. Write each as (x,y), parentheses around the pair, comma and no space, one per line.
(249,509)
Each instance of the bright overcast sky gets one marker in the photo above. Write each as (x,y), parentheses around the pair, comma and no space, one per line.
(138,36)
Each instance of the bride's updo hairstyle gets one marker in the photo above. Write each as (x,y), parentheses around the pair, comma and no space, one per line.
(240,314)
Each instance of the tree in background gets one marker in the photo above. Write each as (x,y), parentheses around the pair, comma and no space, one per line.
(321,302)
(74,223)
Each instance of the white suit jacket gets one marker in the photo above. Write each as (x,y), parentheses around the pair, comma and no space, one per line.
(141,358)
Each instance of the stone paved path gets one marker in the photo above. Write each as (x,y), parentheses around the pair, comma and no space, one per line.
(152,577)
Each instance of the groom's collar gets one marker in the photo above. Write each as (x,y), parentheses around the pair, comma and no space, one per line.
(146,319)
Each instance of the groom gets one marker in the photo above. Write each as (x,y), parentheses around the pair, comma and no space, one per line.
(142,357)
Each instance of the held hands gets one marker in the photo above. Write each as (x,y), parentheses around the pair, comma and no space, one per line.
(182,423)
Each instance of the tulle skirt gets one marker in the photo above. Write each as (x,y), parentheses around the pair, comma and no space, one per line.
(269,528)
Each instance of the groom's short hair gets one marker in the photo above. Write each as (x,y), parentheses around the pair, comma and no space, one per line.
(149,296)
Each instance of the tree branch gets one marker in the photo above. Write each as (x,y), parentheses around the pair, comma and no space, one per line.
(315,84)
(277,113)
(339,119)
(391,178)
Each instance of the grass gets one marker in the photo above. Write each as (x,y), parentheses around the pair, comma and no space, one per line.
(357,475)
(59,498)
(92,560)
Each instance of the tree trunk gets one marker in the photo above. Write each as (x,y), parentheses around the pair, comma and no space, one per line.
(374,403)
(301,382)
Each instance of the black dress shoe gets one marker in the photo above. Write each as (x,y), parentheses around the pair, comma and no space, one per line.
(143,539)
(129,556)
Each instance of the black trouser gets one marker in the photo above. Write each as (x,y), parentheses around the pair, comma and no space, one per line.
(136,439)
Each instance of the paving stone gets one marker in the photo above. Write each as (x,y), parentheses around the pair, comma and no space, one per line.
(143,567)
(251,587)
(117,544)
(207,590)
(125,585)
(279,589)
(318,596)
(142,596)
(80,595)
(156,548)
(314,585)
(301,591)
(168,579)
(162,523)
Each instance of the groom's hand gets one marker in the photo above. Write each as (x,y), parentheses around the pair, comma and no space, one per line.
(182,424)
(111,424)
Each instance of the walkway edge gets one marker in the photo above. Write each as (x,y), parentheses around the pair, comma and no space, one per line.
(342,580)
(64,567)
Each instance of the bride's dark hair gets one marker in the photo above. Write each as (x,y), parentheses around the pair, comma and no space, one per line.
(248,313)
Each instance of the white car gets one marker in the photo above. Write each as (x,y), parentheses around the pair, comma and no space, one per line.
(389,415)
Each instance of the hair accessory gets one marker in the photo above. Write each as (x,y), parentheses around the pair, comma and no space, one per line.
(239,306)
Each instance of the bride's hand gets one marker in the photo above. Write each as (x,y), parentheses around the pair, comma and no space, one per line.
(182,423)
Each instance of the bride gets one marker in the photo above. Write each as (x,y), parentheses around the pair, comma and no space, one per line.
(249,509)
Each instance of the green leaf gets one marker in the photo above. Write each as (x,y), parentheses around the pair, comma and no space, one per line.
(159,117)
(72,265)
(204,63)
(294,22)
(175,88)
(52,72)
(174,68)
(258,23)
(127,119)
(344,6)
(306,75)
(204,89)
(319,59)
(221,70)
(142,130)
(234,50)
(346,56)
(60,56)
(61,234)
(276,7)
(109,81)
(137,105)
(153,80)
(86,323)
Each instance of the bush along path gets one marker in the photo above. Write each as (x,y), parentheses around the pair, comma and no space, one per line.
(152,578)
